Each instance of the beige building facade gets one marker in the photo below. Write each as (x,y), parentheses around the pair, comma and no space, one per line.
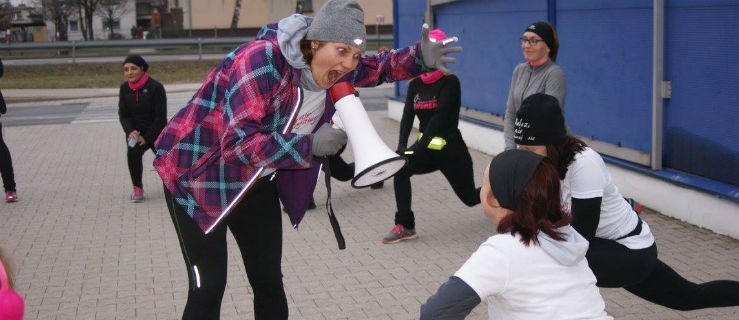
(214,15)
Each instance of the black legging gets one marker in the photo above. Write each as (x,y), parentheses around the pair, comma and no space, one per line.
(135,163)
(643,274)
(454,162)
(6,165)
(256,224)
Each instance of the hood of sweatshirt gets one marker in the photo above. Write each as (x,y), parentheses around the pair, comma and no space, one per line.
(290,31)
(568,252)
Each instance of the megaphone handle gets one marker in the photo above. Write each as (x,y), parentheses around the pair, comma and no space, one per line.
(330,209)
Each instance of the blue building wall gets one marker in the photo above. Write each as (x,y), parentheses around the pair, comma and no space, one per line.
(702,118)
(606,53)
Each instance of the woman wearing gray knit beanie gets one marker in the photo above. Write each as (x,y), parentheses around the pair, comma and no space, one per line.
(253,135)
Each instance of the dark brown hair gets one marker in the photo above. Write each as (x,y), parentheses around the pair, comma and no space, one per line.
(562,155)
(539,209)
(307,50)
(555,45)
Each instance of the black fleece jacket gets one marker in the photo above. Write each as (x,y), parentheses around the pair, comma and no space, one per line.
(144,109)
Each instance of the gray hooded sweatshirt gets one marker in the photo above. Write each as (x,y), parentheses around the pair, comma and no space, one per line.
(290,31)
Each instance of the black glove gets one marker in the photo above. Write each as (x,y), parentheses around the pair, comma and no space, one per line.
(327,141)
(434,54)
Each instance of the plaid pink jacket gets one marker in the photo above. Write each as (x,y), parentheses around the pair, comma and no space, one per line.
(231,126)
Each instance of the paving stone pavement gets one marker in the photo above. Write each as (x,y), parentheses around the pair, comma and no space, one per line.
(81,250)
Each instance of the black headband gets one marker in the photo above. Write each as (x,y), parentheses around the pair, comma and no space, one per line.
(509,173)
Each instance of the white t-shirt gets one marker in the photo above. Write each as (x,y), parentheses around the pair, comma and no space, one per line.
(311,111)
(587,177)
(521,282)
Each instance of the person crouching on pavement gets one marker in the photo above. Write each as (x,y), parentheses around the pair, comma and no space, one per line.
(623,251)
(6,162)
(435,99)
(535,267)
(142,110)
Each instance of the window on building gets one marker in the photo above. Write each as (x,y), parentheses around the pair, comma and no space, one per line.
(116,24)
(74,25)
(304,6)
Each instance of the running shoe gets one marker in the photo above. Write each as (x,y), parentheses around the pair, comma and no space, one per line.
(399,233)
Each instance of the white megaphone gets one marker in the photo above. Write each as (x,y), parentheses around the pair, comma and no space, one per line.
(373,160)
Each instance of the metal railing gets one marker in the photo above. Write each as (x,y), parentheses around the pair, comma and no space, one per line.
(74,45)
(198,43)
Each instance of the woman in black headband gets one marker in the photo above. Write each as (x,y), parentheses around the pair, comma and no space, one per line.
(535,267)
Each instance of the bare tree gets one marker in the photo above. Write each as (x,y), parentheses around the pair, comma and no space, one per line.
(235,18)
(6,14)
(58,12)
(86,10)
(111,11)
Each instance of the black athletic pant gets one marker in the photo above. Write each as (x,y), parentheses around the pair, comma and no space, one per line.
(454,162)
(136,164)
(256,224)
(643,274)
(6,165)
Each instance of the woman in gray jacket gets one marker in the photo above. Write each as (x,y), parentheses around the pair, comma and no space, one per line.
(539,74)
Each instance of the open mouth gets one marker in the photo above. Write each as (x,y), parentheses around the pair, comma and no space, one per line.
(333,75)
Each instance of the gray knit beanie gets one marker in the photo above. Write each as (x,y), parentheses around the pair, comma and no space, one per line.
(339,21)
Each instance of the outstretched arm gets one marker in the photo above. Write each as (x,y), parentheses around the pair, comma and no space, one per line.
(455,299)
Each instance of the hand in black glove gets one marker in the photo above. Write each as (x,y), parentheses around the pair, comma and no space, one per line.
(327,141)
(434,54)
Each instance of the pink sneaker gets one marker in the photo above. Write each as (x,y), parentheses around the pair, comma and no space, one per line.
(399,233)
(137,195)
(635,205)
(11,196)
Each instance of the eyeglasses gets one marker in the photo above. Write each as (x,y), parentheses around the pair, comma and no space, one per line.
(532,42)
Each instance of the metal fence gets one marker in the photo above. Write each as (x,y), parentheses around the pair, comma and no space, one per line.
(199,43)
(74,46)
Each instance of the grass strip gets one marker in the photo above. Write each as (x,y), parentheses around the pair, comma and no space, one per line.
(99,75)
